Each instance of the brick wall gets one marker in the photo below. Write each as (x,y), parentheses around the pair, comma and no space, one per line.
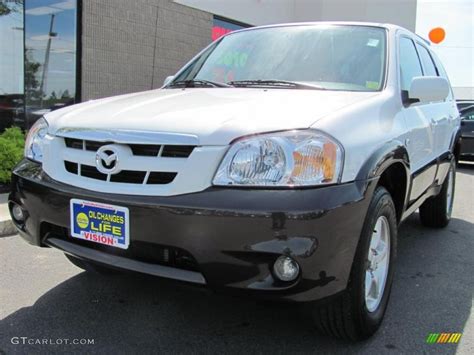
(130,46)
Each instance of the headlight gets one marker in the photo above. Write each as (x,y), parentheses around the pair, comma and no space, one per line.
(35,139)
(293,158)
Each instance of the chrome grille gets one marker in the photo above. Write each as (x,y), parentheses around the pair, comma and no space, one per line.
(181,165)
(144,176)
(146,150)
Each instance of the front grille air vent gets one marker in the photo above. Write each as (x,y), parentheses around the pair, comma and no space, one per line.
(177,151)
(138,250)
(129,176)
(73,143)
(71,167)
(125,176)
(94,146)
(147,150)
(159,178)
(92,173)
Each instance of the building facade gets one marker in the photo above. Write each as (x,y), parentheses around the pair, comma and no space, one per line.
(55,53)
(59,52)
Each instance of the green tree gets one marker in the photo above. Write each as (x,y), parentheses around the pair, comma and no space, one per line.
(9,6)
(32,91)
(66,95)
(11,152)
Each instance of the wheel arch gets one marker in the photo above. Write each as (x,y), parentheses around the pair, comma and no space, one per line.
(455,144)
(390,166)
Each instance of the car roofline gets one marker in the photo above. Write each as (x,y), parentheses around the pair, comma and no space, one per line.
(386,26)
(319,23)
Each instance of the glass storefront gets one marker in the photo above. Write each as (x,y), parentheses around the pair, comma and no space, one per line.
(38,57)
(38,47)
(50,56)
(11,63)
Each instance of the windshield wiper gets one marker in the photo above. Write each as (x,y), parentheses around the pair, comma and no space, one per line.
(283,84)
(274,83)
(193,83)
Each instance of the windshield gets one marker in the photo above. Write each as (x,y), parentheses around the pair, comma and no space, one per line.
(328,57)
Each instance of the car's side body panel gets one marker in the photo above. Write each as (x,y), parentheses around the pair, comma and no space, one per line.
(430,128)
(441,167)
(422,179)
(423,132)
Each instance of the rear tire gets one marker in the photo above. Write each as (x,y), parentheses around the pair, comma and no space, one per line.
(436,211)
(90,266)
(357,314)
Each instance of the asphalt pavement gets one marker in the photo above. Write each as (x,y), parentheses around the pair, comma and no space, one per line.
(46,303)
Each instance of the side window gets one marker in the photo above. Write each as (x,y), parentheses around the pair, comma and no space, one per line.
(428,65)
(468,115)
(409,63)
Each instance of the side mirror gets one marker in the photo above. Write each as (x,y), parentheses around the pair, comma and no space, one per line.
(168,80)
(428,89)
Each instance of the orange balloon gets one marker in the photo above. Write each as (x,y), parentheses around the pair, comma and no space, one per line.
(437,35)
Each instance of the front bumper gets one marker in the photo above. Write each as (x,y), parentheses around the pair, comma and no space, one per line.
(233,236)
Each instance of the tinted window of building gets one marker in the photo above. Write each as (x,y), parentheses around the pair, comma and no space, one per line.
(11,63)
(50,56)
(221,27)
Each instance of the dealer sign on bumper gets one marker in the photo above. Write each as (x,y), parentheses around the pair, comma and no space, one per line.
(100,223)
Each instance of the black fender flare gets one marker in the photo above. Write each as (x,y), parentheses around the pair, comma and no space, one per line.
(393,152)
(382,158)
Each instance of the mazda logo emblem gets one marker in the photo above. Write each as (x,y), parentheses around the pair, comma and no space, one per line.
(106,160)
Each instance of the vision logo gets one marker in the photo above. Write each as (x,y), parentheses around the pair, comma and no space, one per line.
(443,338)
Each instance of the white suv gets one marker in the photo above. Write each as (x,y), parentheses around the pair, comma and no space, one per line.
(278,163)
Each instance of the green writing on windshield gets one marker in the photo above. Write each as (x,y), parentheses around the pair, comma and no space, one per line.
(233,59)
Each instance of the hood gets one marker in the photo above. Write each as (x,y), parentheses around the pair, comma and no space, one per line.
(216,116)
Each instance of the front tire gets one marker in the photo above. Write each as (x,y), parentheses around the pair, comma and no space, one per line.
(357,313)
(436,211)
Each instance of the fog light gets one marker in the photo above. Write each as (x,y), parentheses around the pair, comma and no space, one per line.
(286,269)
(18,213)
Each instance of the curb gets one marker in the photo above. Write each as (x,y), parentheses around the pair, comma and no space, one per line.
(7,228)
(6,225)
